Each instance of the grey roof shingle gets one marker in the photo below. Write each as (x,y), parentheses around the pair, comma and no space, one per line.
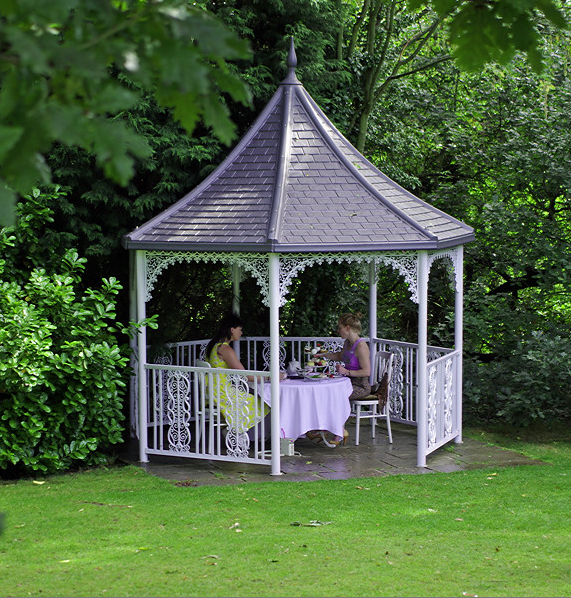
(293,183)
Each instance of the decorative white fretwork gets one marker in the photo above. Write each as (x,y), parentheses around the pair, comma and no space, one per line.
(405,262)
(178,411)
(291,264)
(395,401)
(433,354)
(157,261)
(407,265)
(237,413)
(202,352)
(440,401)
(266,355)
(431,407)
(332,347)
(448,397)
(454,269)
(162,391)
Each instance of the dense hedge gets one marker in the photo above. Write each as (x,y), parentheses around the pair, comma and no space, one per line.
(61,369)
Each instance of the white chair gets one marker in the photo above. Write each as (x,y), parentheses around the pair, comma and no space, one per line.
(371,407)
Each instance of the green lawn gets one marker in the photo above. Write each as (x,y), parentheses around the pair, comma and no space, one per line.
(122,532)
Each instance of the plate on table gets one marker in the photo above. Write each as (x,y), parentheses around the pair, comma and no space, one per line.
(315,377)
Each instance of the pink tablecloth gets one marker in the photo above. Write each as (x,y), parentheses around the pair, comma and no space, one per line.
(304,406)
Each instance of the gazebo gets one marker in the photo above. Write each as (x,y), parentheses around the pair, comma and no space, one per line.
(257,213)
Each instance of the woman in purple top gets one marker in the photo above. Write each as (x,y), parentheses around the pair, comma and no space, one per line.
(355,355)
(356,359)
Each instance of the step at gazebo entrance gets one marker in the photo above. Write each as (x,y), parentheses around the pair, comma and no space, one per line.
(256,213)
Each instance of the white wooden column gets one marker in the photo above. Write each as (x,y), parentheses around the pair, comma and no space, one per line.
(141,275)
(421,360)
(458,336)
(372,312)
(236,299)
(133,384)
(236,274)
(274,296)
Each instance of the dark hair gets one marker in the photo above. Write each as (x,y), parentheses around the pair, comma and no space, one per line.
(229,321)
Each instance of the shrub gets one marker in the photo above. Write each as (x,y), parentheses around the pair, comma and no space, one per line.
(62,371)
(530,385)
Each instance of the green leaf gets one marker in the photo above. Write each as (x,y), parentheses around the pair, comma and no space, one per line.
(186,109)
(217,116)
(7,7)
(64,59)
(8,139)
(113,98)
(239,91)
(7,206)
(552,12)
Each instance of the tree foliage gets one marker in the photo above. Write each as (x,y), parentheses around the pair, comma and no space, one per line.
(497,161)
(96,212)
(60,67)
(489,148)
(383,43)
(492,31)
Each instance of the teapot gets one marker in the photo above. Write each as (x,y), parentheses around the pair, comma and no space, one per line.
(293,368)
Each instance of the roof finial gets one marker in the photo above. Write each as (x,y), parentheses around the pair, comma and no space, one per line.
(291,57)
(291,64)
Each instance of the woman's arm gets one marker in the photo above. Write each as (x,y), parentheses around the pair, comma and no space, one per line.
(364,357)
(230,358)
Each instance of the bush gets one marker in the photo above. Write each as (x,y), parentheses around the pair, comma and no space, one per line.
(529,386)
(61,370)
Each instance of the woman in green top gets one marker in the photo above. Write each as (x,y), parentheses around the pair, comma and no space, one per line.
(220,354)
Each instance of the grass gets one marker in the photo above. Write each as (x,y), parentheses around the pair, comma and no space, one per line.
(122,532)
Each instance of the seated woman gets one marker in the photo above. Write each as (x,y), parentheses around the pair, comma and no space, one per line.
(356,359)
(220,354)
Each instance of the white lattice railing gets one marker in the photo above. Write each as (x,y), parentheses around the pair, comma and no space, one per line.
(187,419)
(443,419)
(254,352)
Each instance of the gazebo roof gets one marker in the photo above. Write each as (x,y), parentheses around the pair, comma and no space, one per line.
(293,183)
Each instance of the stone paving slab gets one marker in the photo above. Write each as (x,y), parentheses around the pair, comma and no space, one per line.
(372,458)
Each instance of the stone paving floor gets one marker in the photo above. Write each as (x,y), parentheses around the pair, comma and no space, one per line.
(372,458)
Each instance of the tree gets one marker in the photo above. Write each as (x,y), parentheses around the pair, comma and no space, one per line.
(499,164)
(486,31)
(386,42)
(69,69)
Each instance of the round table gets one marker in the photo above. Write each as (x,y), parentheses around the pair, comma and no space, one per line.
(312,405)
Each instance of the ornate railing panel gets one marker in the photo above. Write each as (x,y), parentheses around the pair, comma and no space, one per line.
(187,418)
(178,385)
(254,352)
(442,376)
